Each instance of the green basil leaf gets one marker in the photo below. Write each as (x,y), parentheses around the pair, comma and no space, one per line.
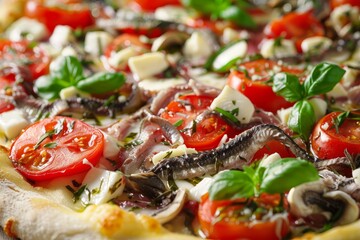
(227,115)
(231,184)
(101,82)
(49,88)
(282,175)
(302,119)
(204,6)
(238,16)
(67,69)
(323,79)
(288,86)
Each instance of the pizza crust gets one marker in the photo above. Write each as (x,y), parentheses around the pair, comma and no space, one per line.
(29,212)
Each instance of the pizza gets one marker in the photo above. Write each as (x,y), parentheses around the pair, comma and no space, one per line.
(179,119)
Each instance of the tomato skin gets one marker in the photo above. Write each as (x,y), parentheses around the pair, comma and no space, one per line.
(337,3)
(295,26)
(326,143)
(22,52)
(67,157)
(273,147)
(145,5)
(257,90)
(78,16)
(231,228)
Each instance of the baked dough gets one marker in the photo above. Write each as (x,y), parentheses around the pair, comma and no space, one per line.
(28,212)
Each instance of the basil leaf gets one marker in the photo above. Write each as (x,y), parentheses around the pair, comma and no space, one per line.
(204,6)
(67,69)
(49,88)
(323,79)
(238,16)
(231,184)
(302,119)
(288,86)
(227,114)
(282,175)
(101,82)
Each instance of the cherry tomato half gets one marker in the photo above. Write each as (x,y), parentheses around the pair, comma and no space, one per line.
(73,15)
(145,5)
(327,141)
(55,147)
(222,219)
(22,54)
(203,135)
(295,26)
(252,83)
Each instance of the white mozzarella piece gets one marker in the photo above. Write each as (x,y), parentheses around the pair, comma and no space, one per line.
(69,51)
(337,91)
(270,159)
(49,50)
(343,17)
(349,76)
(174,152)
(148,64)
(319,105)
(238,50)
(200,189)
(229,35)
(284,114)
(230,99)
(269,48)
(61,36)
(197,46)
(152,84)
(111,146)
(316,44)
(96,42)
(212,79)
(356,175)
(26,28)
(71,92)
(102,186)
(12,123)
(120,58)
(171,14)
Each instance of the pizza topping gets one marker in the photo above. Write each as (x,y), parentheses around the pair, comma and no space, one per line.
(26,29)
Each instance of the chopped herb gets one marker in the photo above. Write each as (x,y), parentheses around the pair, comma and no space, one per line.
(50,145)
(168,154)
(178,123)
(76,194)
(133,144)
(98,190)
(57,129)
(229,115)
(116,186)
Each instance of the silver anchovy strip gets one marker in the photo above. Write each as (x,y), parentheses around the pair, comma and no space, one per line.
(232,155)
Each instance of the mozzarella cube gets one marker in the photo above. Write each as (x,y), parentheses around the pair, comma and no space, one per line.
(319,105)
(156,85)
(111,146)
(284,115)
(356,175)
(270,48)
(316,44)
(12,123)
(230,35)
(236,51)
(269,160)
(61,36)
(96,42)
(120,58)
(49,50)
(101,186)
(26,28)
(148,64)
(337,91)
(69,51)
(200,189)
(179,151)
(232,100)
(72,92)
(197,46)
(171,14)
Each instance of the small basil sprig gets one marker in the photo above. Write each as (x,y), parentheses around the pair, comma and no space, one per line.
(68,72)
(234,11)
(278,177)
(321,80)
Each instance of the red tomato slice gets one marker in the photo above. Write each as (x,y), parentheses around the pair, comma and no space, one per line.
(273,147)
(73,15)
(296,26)
(257,90)
(204,135)
(5,106)
(327,143)
(145,5)
(220,219)
(22,54)
(71,151)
